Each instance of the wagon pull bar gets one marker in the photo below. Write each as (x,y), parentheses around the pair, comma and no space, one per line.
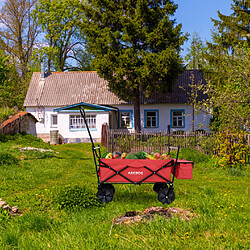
(82,111)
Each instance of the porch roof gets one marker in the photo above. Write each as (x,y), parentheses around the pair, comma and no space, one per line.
(87,107)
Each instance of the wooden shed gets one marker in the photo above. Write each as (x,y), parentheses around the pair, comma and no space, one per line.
(21,122)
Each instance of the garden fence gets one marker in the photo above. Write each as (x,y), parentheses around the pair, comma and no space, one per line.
(131,142)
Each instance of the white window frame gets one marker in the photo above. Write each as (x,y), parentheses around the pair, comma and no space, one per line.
(76,122)
(151,119)
(125,117)
(52,124)
(178,119)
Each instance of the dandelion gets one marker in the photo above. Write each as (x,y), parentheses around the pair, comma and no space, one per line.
(241,206)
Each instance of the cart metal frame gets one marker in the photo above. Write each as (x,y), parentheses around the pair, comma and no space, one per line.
(106,190)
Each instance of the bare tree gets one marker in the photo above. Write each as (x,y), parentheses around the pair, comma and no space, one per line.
(19,30)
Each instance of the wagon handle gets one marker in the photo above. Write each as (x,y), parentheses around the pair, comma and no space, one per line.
(96,150)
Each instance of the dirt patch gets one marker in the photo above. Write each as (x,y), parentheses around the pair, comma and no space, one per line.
(150,212)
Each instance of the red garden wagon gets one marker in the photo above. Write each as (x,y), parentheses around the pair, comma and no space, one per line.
(161,173)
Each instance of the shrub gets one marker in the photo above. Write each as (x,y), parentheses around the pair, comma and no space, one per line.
(76,197)
(8,159)
(232,148)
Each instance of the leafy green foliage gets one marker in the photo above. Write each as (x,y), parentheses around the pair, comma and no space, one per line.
(194,55)
(19,34)
(135,46)
(59,19)
(229,91)
(228,59)
(233,149)
(75,198)
(234,29)
(12,92)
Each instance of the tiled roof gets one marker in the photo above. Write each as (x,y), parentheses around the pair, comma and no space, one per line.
(67,88)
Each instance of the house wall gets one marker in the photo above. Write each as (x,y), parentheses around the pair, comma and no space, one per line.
(201,120)
(44,126)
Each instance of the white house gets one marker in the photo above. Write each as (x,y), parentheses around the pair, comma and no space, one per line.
(54,100)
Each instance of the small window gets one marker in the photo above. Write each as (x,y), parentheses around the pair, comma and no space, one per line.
(53,120)
(177,119)
(126,119)
(77,122)
(151,119)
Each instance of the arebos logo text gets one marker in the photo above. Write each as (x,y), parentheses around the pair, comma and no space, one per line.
(135,173)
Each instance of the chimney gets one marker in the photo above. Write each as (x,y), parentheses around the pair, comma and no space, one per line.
(42,71)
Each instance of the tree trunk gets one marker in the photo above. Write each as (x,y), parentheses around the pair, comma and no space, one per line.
(137,113)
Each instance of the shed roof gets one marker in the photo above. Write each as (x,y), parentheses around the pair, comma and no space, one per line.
(67,88)
(15,117)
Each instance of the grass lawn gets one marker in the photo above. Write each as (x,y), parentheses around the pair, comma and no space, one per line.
(33,181)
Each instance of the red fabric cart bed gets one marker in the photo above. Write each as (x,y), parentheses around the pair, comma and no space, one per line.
(143,171)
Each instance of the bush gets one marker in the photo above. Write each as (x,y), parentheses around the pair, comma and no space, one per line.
(232,148)
(8,159)
(76,197)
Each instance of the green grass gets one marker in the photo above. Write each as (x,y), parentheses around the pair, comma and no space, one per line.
(33,182)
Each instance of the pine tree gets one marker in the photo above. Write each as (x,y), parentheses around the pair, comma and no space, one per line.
(194,56)
(235,28)
(227,73)
(136,46)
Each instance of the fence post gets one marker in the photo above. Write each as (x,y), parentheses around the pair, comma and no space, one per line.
(104,135)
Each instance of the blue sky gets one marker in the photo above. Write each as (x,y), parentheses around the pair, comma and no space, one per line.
(195,16)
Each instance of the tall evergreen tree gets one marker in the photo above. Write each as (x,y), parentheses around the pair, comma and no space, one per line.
(194,56)
(235,28)
(227,73)
(136,46)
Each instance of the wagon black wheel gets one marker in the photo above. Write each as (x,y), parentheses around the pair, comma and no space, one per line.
(104,194)
(158,186)
(108,186)
(166,195)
